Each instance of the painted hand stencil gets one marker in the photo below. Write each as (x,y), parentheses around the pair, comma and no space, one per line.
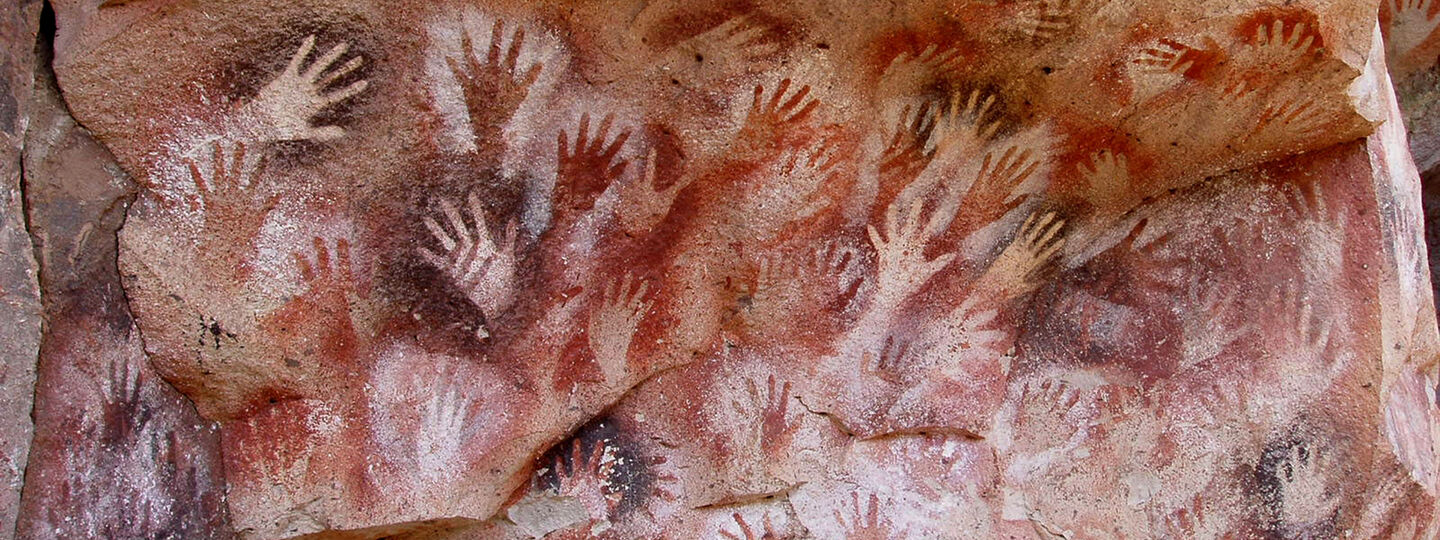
(471,258)
(587,476)
(758,270)
(1014,272)
(646,199)
(748,532)
(864,522)
(287,106)
(587,166)
(235,206)
(614,323)
(900,244)
(495,85)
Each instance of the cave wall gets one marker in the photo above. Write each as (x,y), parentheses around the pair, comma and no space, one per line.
(740,269)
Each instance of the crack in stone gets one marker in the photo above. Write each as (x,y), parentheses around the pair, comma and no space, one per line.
(751,498)
(835,420)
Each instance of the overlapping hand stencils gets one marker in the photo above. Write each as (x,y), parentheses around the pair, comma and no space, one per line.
(893,262)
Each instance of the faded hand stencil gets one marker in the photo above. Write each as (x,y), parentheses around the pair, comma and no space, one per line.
(1031,269)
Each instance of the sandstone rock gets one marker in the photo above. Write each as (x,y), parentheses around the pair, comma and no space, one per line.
(1009,269)
(117,453)
(19,292)
(1413,48)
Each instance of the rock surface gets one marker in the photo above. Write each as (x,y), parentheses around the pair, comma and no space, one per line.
(628,269)
(1412,44)
(117,453)
(1413,48)
(19,290)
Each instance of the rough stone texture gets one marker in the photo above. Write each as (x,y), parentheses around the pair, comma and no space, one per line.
(625,269)
(1413,45)
(19,290)
(117,452)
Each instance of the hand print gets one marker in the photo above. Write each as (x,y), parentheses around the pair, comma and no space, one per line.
(1152,238)
(325,337)
(1165,65)
(928,455)
(1307,499)
(908,151)
(889,363)
(1278,50)
(1238,90)
(1325,226)
(1050,398)
(1107,176)
(835,268)
(588,166)
(613,325)
(933,60)
(1308,204)
(778,283)
(864,523)
(967,329)
(442,432)
(124,410)
(1042,428)
(1189,521)
(234,208)
(1043,20)
(768,118)
(786,285)
(287,105)
(965,122)
(1228,406)
(1291,119)
(900,247)
(1411,23)
(796,179)
(747,533)
(776,426)
(739,41)
(665,479)
(1206,332)
(1386,501)
(326,276)
(1309,360)
(910,73)
(472,260)
(587,477)
(1014,272)
(1167,56)
(1311,330)
(495,86)
(643,201)
(994,192)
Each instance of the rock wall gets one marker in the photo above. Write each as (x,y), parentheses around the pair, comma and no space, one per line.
(736,269)
(19,291)
(1413,46)
(117,452)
